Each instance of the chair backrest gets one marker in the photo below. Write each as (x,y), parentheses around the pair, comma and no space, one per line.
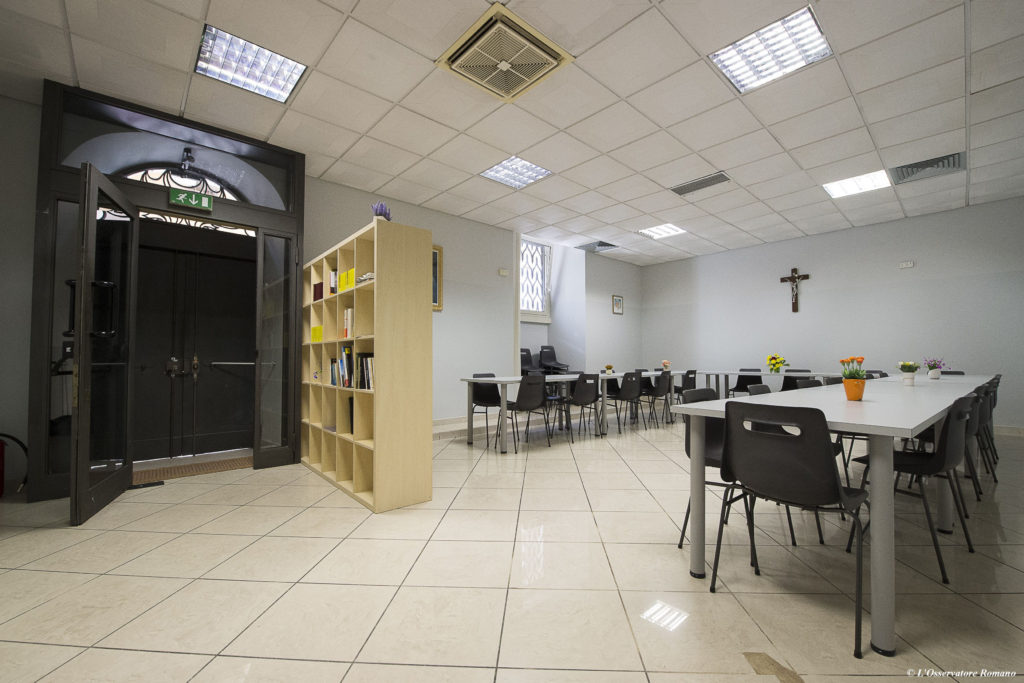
(611,385)
(714,427)
(952,372)
(756,389)
(798,468)
(586,391)
(789,383)
(744,381)
(829,381)
(646,385)
(485,394)
(531,393)
(689,380)
(973,421)
(630,387)
(662,384)
(808,383)
(949,449)
(526,361)
(547,354)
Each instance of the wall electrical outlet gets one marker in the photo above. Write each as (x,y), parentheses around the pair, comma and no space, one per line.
(906,264)
(503,272)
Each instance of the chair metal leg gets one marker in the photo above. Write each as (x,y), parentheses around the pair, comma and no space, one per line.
(958,501)
(859,599)
(721,527)
(972,470)
(792,534)
(931,528)
(682,533)
(750,532)
(817,522)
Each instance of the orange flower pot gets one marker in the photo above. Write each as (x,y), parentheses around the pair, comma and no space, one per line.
(854,389)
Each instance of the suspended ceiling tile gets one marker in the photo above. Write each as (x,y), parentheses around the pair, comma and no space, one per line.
(832,119)
(778,233)
(380,156)
(680,215)
(370,60)
(797,181)
(429,28)
(576,25)
(712,191)
(1004,169)
(742,150)
(680,171)
(710,26)
(489,214)
(468,154)
(939,118)
(102,69)
(511,129)
(554,188)
(521,224)
(338,103)
(739,240)
(34,47)
(661,200)
(999,152)
(518,203)
(821,224)
(615,213)
(566,96)
(924,89)
(430,173)
(628,239)
(657,148)
(576,240)
(139,28)
(559,152)
(551,214)
(316,164)
(934,203)
(359,177)
(994,190)
(997,64)
(550,233)
(407,191)
(883,195)
(997,101)
(587,202)
(995,21)
(930,147)
(220,104)
(309,135)
(809,88)
(580,224)
(47,11)
(997,130)
(629,187)
(851,25)
(921,46)
(807,197)
(613,127)
(481,189)
(411,131)
(725,122)
(848,168)
(878,213)
(771,167)
(625,61)
(298,29)
(726,201)
(746,212)
(447,98)
(807,211)
(833,149)
(451,204)
(682,95)
(597,172)
(941,183)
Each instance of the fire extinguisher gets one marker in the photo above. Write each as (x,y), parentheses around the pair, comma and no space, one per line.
(24,449)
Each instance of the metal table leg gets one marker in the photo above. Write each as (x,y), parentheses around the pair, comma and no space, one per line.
(469,412)
(697,497)
(883,549)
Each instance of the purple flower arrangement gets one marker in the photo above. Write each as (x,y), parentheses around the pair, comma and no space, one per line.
(934,363)
(381,209)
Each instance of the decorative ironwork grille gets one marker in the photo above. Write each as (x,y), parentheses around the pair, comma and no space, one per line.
(533,276)
(170,177)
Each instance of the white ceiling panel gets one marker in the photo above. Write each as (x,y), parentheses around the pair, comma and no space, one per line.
(939,118)
(738,240)
(630,187)
(847,168)
(489,214)
(310,135)
(219,104)
(768,168)
(657,148)
(809,88)
(370,60)
(613,127)
(481,189)
(298,29)
(832,119)
(685,93)
(710,26)
(997,130)
(823,152)
(997,64)
(380,156)
(34,47)
(551,214)
(407,191)
(521,224)
(877,213)
(550,233)
(777,233)
(559,152)
(681,214)
(625,61)
(742,150)
(196,9)
(828,223)
(554,188)
(1003,169)
(923,149)
(430,173)
(745,212)
(469,154)
(997,101)
(411,131)
(47,11)
(924,89)
(680,171)
(933,203)
(994,21)
(872,19)
(942,183)
(787,202)
(511,129)
(615,214)
(808,211)
(359,177)
(883,195)
(581,224)
(103,69)
(153,33)
(451,204)
(316,164)
(724,202)
(338,103)
(994,190)
(587,201)
(576,25)
(783,185)
(661,200)
(725,122)
(518,203)
(597,172)
(443,96)
(994,154)
(566,96)
(426,27)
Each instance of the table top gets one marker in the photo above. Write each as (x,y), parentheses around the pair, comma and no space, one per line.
(515,379)
(766,373)
(889,408)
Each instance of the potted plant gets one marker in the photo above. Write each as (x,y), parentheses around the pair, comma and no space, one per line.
(381,209)
(776,362)
(608,369)
(666,365)
(908,368)
(935,366)
(853,377)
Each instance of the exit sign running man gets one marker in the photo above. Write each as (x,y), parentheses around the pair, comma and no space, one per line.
(193,200)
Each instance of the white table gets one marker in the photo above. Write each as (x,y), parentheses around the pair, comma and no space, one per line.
(889,409)
(722,376)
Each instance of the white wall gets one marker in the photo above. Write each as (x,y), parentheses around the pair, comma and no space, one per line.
(611,338)
(475,331)
(19,139)
(568,329)
(533,336)
(961,301)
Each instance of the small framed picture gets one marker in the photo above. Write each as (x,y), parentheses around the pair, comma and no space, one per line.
(617,304)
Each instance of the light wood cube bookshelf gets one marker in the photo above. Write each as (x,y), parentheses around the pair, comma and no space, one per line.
(372,443)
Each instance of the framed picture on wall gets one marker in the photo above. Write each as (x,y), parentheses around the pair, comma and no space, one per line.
(617,304)
(438,271)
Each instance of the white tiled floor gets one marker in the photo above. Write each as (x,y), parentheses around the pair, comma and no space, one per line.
(534,567)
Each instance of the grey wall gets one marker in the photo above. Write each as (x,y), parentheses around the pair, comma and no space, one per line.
(961,301)
(567,331)
(532,336)
(475,331)
(19,140)
(615,339)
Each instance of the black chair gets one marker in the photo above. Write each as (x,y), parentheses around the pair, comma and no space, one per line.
(761,459)
(532,400)
(646,384)
(526,364)
(585,396)
(757,389)
(629,393)
(744,381)
(941,462)
(550,363)
(877,373)
(689,382)
(829,381)
(714,438)
(789,383)
(808,383)
(660,393)
(952,372)
(487,396)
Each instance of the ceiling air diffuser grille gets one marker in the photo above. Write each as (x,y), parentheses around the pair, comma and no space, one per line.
(700,183)
(597,247)
(503,54)
(951,163)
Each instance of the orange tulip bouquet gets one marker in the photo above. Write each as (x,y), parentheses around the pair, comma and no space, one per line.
(853,377)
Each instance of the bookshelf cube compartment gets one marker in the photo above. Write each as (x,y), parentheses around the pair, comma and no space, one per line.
(343,412)
(331,319)
(365,253)
(362,417)
(315,445)
(329,410)
(315,405)
(328,454)
(362,470)
(306,372)
(364,312)
(304,441)
(346,315)
(344,460)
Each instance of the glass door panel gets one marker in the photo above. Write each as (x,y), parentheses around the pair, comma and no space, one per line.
(274,391)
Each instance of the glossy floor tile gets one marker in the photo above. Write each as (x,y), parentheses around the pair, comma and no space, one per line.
(553,565)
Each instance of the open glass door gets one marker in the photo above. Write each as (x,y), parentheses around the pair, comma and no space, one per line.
(274,442)
(101,468)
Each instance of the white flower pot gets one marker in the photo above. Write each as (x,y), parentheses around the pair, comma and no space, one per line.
(908,379)
(934,374)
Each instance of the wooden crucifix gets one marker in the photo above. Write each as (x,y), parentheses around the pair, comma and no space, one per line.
(793,280)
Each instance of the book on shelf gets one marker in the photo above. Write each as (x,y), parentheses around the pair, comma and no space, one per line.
(334,372)
(318,291)
(350,278)
(364,371)
(346,320)
(316,333)
(334,282)
(347,370)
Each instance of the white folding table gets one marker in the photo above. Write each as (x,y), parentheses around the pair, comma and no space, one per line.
(722,376)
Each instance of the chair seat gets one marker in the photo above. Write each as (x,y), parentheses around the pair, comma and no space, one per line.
(908,462)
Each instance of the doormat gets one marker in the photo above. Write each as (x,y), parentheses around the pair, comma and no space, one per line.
(188,470)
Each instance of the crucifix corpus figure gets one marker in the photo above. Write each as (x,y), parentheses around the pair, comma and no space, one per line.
(793,280)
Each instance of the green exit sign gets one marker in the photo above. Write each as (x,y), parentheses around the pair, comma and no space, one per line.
(193,200)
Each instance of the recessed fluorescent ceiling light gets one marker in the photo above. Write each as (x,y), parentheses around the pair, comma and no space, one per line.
(858,184)
(774,51)
(230,59)
(516,172)
(659,231)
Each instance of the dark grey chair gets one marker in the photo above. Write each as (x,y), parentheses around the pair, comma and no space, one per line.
(789,383)
(744,381)
(629,393)
(549,361)
(808,383)
(757,389)
(585,396)
(532,400)
(526,364)
(487,396)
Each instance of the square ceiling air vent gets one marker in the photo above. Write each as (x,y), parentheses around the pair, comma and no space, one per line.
(597,247)
(951,163)
(503,54)
(700,183)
